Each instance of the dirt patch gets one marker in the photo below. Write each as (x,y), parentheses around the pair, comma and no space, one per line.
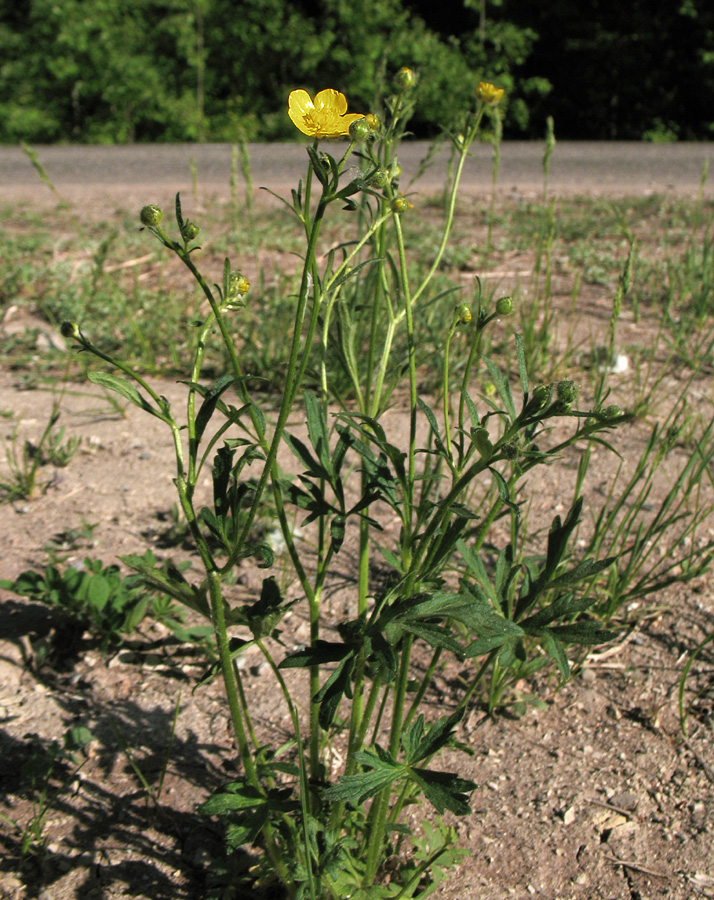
(597,796)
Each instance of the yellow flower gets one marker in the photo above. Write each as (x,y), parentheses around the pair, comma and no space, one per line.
(488,93)
(325,116)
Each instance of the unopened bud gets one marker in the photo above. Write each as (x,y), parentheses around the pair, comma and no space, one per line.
(567,391)
(360,130)
(504,306)
(509,450)
(395,171)
(189,231)
(400,204)
(151,216)
(372,121)
(405,78)
(69,330)
(612,412)
(464,314)
(541,396)
(482,442)
(380,178)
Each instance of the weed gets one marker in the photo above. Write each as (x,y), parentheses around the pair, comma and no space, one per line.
(99,598)
(44,764)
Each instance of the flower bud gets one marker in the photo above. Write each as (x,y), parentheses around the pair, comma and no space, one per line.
(509,450)
(360,130)
(238,287)
(464,313)
(504,306)
(482,442)
(380,178)
(69,330)
(405,78)
(151,216)
(189,231)
(567,391)
(612,412)
(488,93)
(372,121)
(400,204)
(395,171)
(541,396)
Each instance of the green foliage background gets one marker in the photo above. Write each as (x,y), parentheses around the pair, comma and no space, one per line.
(106,71)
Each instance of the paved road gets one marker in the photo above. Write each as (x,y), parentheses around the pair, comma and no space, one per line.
(146,172)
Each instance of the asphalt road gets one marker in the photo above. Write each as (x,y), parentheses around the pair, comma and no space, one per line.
(148,173)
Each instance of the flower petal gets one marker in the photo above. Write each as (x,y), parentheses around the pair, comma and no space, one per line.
(300,108)
(331,100)
(325,117)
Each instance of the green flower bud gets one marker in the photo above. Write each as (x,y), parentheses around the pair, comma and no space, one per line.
(380,179)
(400,204)
(464,313)
(509,450)
(69,330)
(373,121)
(189,231)
(489,389)
(612,412)
(504,306)
(151,216)
(482,442)
(405,78)
(360,130)
(567,391)
(395,171)
(541,396)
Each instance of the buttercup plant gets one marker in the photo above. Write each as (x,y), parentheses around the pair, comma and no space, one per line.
(321,832)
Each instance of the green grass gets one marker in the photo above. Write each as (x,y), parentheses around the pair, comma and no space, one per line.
(132,299)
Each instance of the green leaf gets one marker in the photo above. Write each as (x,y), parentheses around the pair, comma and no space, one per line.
(317,431)
(503,388)
(419,745)
(337,532)
(169,580)
(320,653)
(494,631)
(582,633)
(352,273)
(355,789)
(302,451)
(179,217)
(98,591)
(444,790)
(555,650)
(434,426)
(473,412)
(127,390)
(263,616)
(331,693)
(582,571)
(211,399)
(317,166)
(522,369)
